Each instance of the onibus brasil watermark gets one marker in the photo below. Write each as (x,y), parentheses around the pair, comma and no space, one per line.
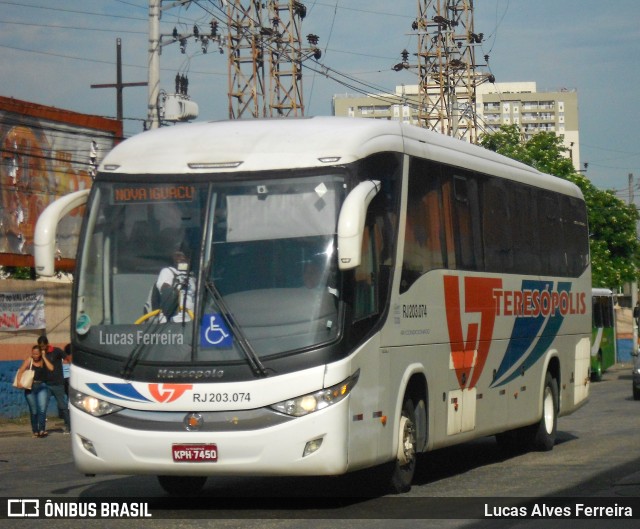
(63,508)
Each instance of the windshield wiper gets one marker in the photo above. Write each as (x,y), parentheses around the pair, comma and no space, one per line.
(155,325)
(252,357)
(167,310)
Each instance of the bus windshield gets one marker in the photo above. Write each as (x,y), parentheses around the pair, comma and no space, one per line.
(212,272)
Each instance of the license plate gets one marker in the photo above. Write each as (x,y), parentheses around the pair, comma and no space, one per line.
(195,453)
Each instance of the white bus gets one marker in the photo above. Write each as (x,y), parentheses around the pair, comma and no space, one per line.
(357,292)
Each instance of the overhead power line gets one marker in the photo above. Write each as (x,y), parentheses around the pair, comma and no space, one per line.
(214,9)
(76,28)
(73,11)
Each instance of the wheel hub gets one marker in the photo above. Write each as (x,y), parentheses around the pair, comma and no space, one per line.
(407,442)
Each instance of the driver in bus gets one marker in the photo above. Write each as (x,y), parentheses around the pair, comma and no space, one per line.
(312,274)
(173,293)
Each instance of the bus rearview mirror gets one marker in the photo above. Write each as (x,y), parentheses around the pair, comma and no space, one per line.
(351,223)
(44,238)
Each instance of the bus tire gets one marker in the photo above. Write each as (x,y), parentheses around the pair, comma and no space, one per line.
(542,435)
(596,374)
(182,485)
(406,457)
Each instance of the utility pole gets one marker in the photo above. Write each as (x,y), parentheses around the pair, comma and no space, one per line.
(447,65)
(153,118)
(169,107)
(265,57)
(118,85)
(634,284)
(155,49)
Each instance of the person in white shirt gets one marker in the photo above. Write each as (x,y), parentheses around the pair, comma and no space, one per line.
(174,291)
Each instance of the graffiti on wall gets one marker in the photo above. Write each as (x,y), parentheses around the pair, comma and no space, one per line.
(42,160)
(22,311)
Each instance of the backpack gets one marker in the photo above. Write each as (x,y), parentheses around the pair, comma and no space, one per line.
(167,298)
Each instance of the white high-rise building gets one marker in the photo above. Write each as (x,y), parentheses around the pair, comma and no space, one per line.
(497,104)
(532,110)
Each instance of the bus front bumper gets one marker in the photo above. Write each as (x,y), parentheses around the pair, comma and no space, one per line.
(315,444)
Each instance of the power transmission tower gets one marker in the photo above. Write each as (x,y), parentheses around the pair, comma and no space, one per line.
(262,36)
(265,58)
(447,65)
(286,56)
(246,59)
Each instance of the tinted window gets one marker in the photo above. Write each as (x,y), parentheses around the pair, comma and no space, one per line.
(469,221)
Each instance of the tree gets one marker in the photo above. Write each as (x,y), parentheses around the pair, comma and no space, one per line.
(615,250)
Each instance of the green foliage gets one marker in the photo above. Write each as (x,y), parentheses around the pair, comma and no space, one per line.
(615,250)
(18,272)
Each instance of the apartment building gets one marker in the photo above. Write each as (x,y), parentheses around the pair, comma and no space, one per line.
(532,110)
(400,106)
(496,104)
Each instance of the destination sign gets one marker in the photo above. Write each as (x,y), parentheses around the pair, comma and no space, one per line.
(141,194)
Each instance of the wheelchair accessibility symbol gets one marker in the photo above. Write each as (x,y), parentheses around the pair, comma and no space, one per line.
(214,332)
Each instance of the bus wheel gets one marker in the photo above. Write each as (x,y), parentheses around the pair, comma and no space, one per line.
(182,485)
(596,374)
(405,464)
(543,434)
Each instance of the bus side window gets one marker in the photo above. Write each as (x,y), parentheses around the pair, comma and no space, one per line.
(426,235)
(525,236)
(554,259)
(498,246)
(610,319)
(574,221)
(596,313)
(448,211)
(603,311)
(366,276)
(461,201)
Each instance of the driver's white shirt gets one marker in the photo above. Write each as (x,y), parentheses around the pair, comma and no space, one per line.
(173,276)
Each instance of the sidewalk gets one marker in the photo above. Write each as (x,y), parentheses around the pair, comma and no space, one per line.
(624,323)
(22,427)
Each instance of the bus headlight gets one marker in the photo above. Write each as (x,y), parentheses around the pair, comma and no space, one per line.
(92,405)
(305,404)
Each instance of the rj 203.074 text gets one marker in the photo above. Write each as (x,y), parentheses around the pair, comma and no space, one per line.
(222,397)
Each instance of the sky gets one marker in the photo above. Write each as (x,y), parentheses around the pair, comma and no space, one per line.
(51,52)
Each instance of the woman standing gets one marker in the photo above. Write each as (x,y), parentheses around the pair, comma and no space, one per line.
(38,396)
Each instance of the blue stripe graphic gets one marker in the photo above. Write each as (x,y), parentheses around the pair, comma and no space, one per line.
(120,391)
(524,334)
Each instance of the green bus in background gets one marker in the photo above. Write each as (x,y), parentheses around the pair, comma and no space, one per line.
(603,341)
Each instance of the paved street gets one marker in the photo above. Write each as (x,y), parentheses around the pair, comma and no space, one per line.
(597,456)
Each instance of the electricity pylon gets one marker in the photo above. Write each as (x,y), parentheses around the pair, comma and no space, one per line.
(246,59)
(264,44)
(286,56)
(447,67)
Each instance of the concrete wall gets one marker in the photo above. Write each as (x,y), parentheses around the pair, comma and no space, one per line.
(16,346)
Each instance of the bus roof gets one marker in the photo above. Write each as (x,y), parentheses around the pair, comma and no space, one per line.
(275,144)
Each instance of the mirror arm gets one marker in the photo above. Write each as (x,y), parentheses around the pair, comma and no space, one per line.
(351,223)
(44,237)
